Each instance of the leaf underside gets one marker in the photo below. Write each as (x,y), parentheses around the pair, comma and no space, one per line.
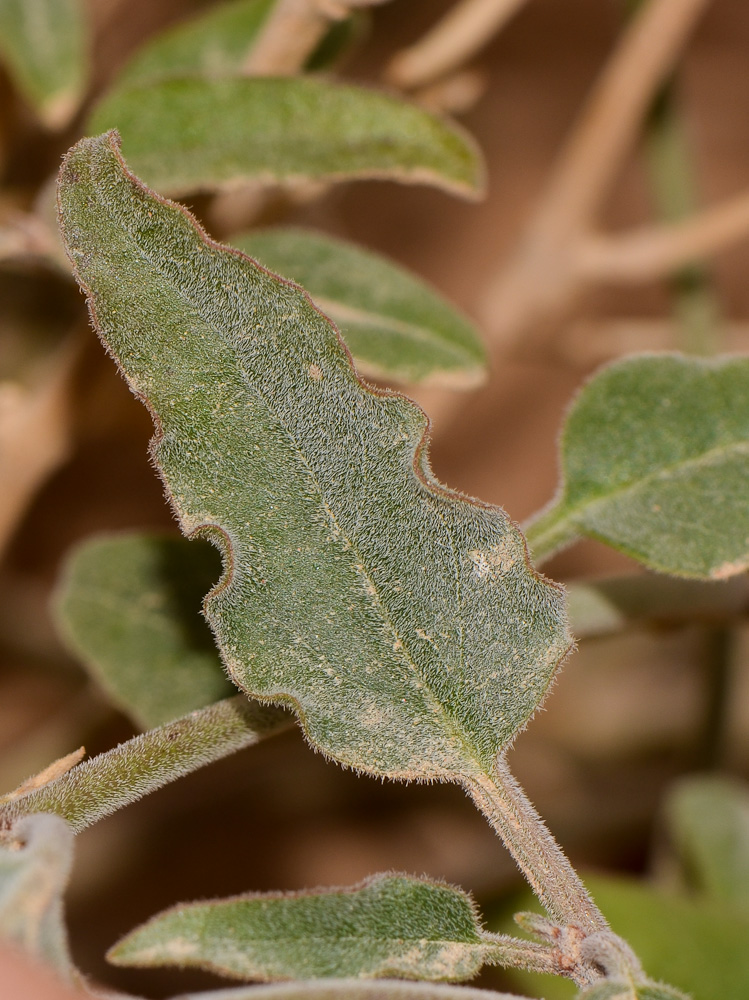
(33,876)
(393,323)
(186,134)
(402,621)
(655,460)
(390,925)
(129,607)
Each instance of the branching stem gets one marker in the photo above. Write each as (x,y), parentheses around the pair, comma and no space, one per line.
(293,31)
(465,29)
(114,779)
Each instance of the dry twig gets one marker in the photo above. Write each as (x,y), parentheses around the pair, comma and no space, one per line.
(657,251)
(544,276)
(35,430)
(464,30)
(293,31)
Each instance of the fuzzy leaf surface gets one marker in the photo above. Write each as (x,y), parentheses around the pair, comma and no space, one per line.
(390,925)
(655,462)
(35,865)
(402,621)
(393,323)
(708,817)
(350,989)
(190,134)
(44,45)
(129,607)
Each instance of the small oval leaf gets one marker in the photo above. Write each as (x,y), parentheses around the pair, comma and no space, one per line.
(402,621)
(389,925)
(393,323)
(129,607)
(44,44)
(191,134)
(655,462)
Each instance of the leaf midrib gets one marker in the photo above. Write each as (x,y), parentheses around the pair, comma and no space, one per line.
(453,725)
(572,513)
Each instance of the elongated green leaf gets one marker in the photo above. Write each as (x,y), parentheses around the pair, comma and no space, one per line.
(390,925)
(188,134)
(655,460)
(213,44)
(708,818)
(392,322)
(35,861)
(401,620)
(350,989)
(129,607)
(216,42)
(44,44)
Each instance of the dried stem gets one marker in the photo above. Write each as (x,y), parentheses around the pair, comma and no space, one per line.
(106,783)
(293,31)
(657,251)
(551,876)
(543,277)
(35,433)
(465,29)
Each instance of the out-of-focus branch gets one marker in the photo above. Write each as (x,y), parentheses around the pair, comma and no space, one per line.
(35,429)
(25,235)
(465,29)
(656,251)
(293,31)
(543,278)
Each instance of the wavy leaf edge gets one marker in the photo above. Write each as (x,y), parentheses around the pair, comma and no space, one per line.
(218,536)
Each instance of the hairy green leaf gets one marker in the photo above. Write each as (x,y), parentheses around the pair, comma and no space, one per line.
(401,620)
(392,322)
(44,45)
(708,818)
(350,989)
(655,462)
(35,861)
(212,44)
(129,607)
(389,925)
(187,134)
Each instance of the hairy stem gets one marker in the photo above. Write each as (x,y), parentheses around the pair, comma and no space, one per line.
(551,876)
(547,533)
(114,779)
